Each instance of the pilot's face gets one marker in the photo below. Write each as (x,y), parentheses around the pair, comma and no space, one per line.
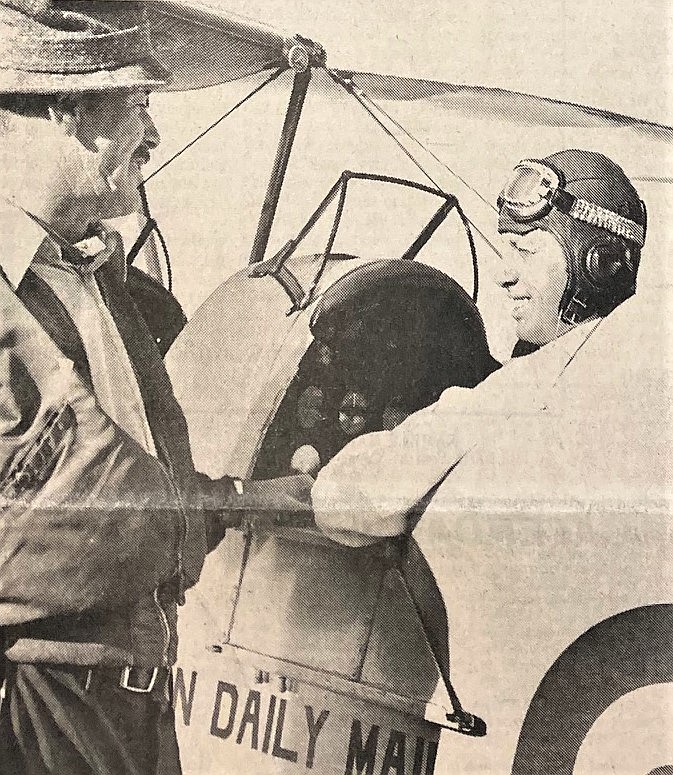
(535,274)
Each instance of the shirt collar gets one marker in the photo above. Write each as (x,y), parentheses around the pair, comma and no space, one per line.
(28,241)
(50,254)
(22,239)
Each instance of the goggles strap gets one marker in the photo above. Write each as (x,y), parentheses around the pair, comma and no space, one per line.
(595,215)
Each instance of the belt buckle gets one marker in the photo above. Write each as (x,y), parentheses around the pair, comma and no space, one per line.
(126,675)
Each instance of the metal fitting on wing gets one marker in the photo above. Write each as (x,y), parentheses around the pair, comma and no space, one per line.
(302,53)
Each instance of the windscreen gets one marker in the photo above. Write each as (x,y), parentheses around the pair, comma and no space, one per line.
(377,219)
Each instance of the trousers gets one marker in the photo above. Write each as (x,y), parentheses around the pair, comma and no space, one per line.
(61,720)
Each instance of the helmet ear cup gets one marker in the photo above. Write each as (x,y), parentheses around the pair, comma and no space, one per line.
(603,280)
(606,262)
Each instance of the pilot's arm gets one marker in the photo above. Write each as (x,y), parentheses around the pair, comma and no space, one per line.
(366,491)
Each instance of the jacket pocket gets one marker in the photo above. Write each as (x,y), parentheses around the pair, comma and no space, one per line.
(31,467)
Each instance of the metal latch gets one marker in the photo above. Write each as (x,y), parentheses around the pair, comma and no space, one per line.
(466,723)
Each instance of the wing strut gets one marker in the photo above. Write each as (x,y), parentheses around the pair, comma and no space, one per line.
(300,86)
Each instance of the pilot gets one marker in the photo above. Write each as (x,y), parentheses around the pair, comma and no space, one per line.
(104,521)
(573,227)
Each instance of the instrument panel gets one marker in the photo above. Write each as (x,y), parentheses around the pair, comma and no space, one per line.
(390,337)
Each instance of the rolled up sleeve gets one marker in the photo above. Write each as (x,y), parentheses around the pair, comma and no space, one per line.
(367,490)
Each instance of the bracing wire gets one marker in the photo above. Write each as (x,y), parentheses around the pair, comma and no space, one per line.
(141,186)
(363,99)
(208,129)
(473,250)
(439,161)
(169,268)
(431,153)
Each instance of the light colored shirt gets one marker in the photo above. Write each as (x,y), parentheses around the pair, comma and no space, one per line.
(114,382)
(371,485)
(20,240)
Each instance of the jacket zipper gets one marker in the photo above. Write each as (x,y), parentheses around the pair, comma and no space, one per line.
(166,627)
(179,571)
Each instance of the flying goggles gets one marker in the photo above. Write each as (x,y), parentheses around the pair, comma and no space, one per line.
(534,188)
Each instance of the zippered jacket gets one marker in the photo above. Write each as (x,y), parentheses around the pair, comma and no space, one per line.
(96,544)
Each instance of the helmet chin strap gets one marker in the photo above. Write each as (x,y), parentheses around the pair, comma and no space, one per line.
(575,311)
(576,305)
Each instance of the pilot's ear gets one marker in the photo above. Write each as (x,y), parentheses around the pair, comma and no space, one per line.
(67,116)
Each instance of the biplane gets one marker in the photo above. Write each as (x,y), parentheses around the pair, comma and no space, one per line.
(357,301)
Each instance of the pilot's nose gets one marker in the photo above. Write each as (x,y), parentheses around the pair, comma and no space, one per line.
(152,136)
(507,274)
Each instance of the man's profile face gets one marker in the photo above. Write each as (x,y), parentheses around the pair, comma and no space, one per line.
(535,275)
(118,131)
(80,163)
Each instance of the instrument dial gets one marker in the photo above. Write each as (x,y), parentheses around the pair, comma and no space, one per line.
(325,355)
(310,407)
(353,413)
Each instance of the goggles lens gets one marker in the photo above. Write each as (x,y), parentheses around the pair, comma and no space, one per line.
(528,192)
(534,188)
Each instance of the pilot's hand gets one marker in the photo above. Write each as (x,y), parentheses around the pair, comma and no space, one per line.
(229,503)
(283,501)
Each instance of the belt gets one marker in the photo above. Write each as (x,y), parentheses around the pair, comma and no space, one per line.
(131,678)
(141,680)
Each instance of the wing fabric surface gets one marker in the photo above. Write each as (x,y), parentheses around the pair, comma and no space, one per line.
(202,45)
(472,136)
(510,106)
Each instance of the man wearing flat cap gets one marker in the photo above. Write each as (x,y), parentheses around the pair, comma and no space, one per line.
(104,521)
(574,227)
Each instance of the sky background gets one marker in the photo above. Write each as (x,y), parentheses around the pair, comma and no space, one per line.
(612,55)
(616,55)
